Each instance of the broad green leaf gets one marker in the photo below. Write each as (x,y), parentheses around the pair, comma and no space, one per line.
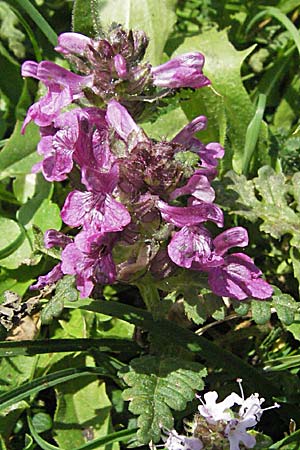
(157,385)
(11,83)
(270,205)
(82,413)
(222,67)
(15,247)
(11,237)
(287,110)
(24,187)
(19,154)
(156,20)
(261,311)
(240,308)
(42,422)
(186,106)
(9,417)
(14,372)
(167,124)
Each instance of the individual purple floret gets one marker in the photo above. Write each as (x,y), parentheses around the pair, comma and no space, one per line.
(51,278)
(237,277)
(192,248)
(74,137)
(181,71)
(63,88)
(90,259)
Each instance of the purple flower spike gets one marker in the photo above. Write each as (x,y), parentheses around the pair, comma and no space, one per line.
(46,280)
(192,248)
(90,259)
(191,215)
(69,43)
(181,71)
(234,237)
(238,278)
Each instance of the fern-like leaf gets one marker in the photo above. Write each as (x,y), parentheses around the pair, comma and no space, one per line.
(157,385)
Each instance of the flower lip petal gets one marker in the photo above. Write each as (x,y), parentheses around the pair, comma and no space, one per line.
(72,43)
(191,215)
(233,237)
(120,120)
(184,136)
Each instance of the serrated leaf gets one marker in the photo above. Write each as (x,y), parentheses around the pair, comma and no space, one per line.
(10,32)
(199,307)
(222,67)
(261,311)
(156,20)
(65,291)
(241,308)
(271,206)
(294,328)
(157,385)
(285,306)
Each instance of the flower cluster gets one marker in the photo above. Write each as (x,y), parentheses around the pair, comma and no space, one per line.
(217,425)
(139,205)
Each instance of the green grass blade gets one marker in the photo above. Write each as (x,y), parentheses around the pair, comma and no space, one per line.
(35,45)
(30,348)
(282,18)
(118,436)
(45,382)
(252,133)
(285,442)
(39,20)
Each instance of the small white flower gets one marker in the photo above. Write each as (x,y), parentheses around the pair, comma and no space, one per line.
(236,432)
(251,407)
(213,411)
(177,441)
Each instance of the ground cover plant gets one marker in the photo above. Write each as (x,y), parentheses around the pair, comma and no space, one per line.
(150,211)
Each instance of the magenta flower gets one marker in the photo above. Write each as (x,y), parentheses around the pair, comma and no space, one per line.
(96,209)
(63,88)
(74,137)
(181,71)
(90,259)
(192,248)
(238,278)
